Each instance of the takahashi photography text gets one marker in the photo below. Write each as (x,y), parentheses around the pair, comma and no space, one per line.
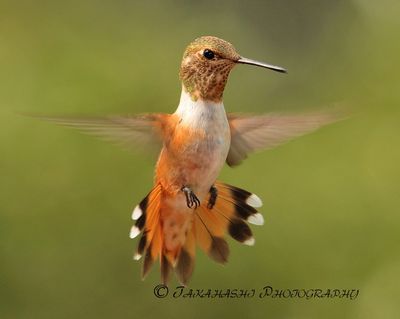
(266,292)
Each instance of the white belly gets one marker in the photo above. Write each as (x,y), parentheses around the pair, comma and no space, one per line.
(206,155)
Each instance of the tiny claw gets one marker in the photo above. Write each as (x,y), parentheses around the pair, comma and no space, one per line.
(191,198)
(195,200)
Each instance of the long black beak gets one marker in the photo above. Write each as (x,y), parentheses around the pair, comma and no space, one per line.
(261,64)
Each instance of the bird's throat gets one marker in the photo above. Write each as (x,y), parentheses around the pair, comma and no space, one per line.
(204,81)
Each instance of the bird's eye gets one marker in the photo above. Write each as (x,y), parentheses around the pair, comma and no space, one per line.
(208,54)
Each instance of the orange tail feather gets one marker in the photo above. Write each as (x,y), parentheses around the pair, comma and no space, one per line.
(205,226)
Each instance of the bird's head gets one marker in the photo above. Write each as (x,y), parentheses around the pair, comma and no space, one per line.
(206,64)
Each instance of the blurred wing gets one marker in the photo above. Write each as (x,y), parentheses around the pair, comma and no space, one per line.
(136,131)
(253,133)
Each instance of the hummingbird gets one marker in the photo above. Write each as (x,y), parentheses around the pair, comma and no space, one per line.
(188,206)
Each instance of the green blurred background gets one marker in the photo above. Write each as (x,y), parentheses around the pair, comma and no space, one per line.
(331,199)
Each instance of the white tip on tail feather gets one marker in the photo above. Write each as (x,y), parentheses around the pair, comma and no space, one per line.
(134,232)
(250,242)
(137,256)
(254,201)
(256,219)
(137,212)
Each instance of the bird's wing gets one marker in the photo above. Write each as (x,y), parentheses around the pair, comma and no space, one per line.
(135,131)
(253,133)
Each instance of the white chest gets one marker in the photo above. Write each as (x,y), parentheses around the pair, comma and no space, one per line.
(200,113)
(208,152)
(208,119)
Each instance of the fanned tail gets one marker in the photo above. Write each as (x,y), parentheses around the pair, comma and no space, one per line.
(234,207)
(205,226)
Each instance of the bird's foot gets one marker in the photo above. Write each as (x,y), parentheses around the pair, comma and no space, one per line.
(191,198)
(213,197)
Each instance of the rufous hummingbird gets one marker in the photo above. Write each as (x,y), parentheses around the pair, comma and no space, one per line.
(187,205)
